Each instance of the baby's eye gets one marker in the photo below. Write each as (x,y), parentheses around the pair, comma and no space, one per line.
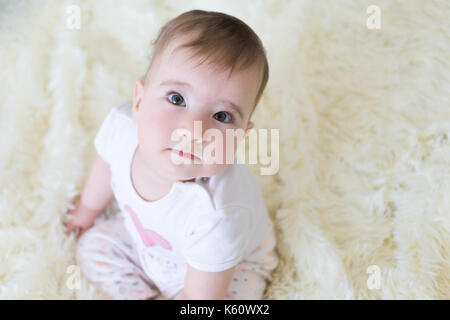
(176,99)
(222,116)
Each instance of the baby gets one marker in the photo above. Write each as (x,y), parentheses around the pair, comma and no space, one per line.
(190,229)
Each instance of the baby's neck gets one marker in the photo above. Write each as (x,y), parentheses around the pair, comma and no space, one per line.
(141,175)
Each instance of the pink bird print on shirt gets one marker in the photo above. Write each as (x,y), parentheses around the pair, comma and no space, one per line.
(149,237)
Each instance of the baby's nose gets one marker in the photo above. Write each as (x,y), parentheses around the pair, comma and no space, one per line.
(194,129)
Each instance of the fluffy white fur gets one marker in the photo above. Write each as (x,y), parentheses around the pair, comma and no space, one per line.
(364,118)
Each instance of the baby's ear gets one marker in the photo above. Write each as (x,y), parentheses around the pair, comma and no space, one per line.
(137,98)
(138,93)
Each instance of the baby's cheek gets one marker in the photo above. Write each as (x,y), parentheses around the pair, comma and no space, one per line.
(225,148)
(153,136)
(230,145)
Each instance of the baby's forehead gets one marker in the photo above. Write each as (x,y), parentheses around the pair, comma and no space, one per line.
(175,51)
(194,61)
(189,62)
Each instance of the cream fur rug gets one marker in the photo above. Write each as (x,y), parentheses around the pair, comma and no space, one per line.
(364,118)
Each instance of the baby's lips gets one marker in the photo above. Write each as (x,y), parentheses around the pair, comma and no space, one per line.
(193,154)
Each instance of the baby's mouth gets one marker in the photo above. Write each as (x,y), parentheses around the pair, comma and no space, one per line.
(183,154)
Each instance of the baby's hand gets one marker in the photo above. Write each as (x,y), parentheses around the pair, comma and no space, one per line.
(80,219)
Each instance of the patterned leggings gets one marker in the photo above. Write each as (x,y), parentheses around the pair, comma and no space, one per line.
(107,258)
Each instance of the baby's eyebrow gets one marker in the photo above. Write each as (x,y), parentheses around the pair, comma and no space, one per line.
(185,84)
(233,106)
(175,82)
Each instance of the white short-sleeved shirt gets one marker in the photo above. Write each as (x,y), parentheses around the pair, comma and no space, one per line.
(211,224)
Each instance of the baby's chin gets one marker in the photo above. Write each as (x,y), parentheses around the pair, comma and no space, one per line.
(183,172)
(171,166)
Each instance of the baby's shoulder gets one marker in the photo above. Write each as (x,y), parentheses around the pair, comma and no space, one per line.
(124,110)
(120,114)
(119,120)
(115,133)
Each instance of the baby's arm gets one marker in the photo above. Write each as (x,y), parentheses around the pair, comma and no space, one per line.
(97,192)
(96,195)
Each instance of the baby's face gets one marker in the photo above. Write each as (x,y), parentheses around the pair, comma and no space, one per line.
(178,93)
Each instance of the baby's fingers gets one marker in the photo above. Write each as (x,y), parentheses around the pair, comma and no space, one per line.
(68,229)
(70,226)
(81,231)
(68,217)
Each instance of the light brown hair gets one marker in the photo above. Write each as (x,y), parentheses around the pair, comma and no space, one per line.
(223,40)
